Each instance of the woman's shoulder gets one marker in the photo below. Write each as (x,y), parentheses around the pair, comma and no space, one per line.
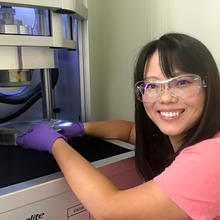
(193,178)
(205,145)
(202,155)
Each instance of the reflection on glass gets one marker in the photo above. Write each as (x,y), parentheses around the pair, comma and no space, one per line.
(26,21)
(67,21)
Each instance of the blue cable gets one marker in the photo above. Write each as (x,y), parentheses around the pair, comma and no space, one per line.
(15,93)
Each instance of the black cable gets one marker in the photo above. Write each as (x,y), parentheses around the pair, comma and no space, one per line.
(22,98)
(19,99)
(31,99)
(24,108)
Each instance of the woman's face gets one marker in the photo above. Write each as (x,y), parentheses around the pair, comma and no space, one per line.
(173,115)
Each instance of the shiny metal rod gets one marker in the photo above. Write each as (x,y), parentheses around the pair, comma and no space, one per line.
(47,102)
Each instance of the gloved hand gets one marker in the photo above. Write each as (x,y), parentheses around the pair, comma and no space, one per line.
(40,137)
(74,130)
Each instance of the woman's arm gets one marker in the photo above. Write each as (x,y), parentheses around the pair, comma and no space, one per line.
(112,129)
(104,200)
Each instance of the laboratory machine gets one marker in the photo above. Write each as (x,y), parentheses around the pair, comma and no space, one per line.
(44,77)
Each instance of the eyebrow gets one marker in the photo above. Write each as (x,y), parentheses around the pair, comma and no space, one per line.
(152,78)
(176,73)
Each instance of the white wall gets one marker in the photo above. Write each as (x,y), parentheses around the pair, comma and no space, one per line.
(198,18)
(119,28)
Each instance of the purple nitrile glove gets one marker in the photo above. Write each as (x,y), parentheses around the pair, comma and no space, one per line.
(74,130)
(41,137)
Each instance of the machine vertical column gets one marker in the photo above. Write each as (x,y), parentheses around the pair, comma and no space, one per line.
(47,102)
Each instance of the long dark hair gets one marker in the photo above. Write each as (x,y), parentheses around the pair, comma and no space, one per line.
(154,151)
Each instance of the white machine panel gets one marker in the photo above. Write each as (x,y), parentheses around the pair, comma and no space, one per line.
(28,58)
(63,206)
(54,200)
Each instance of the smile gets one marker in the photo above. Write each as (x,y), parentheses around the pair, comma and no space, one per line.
(169,114)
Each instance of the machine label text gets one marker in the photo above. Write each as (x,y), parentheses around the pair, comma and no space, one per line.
(36,216)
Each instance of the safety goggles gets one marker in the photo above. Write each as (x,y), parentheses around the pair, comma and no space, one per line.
(183,86)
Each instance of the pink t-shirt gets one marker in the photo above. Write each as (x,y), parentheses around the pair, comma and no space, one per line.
(192,181)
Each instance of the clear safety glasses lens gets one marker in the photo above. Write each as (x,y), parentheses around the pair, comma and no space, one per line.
(183,86)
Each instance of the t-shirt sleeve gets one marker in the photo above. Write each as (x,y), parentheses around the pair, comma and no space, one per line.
(192,181)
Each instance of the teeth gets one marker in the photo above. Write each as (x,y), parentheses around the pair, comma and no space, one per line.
(169,114)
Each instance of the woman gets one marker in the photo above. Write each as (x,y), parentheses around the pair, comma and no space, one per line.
(177,137)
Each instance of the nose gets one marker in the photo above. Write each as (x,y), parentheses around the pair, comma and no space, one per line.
(166,96)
